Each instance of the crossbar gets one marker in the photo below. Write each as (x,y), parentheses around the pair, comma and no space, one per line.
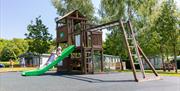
(103,26)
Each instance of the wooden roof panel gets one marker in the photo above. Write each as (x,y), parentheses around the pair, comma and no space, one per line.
(71,13)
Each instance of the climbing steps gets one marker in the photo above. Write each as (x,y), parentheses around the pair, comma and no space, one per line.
(135,52)
(88,59)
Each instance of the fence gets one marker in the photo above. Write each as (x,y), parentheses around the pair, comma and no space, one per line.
(110,62)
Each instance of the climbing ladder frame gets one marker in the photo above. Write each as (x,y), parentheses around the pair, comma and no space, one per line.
(132,47)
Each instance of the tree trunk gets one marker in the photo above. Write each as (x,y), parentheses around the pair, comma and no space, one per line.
(175,61)
(162,56)
(164,69)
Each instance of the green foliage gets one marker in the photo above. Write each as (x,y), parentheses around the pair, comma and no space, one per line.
(114,44)
(7,64)
(11,49)
(65,6)
(112,10)
(125,9)
(155,23)
(133,10)
(167,26)
(39,38)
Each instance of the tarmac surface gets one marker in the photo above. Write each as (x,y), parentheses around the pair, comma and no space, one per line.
(51,81)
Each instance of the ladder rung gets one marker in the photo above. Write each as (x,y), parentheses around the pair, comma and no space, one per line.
(130,38)
(132,46)
(88,57)
(140,56)
(134,54)
(76,57)
(88,53)
(136,63)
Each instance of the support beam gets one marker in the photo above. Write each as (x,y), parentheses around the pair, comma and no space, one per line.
(77,18)
(103,26)
(147,60)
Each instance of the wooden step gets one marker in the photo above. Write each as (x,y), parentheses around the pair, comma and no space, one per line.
(130,38)
(136,62)
(89,57)
(87,52)
(132,46)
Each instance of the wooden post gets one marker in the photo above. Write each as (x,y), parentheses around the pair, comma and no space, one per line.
(69,31)
(92,60)
(102,61)
(92,52)
(84,60)
(82,53)
(57,44)
(72,31)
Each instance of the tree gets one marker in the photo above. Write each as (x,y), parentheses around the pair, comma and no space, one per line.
(7,51)
(128,9)
(11,49)
(65,6)
(114,44)
(20,45)
(38,36)
(167,28)
(2,44)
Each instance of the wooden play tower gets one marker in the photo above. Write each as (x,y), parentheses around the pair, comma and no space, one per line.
(73,29)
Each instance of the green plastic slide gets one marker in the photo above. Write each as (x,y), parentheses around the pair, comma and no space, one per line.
(42,70)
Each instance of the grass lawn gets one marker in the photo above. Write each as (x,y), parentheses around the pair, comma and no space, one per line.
(19,69)
(15,69)
(7,63)
(160,72)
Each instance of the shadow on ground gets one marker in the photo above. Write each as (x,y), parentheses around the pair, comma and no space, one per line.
(86,79)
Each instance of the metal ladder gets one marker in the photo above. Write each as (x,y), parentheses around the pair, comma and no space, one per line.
(134,51)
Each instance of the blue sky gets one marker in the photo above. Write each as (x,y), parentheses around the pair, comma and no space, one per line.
(15,15)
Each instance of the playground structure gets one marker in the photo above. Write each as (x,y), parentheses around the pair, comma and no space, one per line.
(70,30)
(73,29)
(44,69)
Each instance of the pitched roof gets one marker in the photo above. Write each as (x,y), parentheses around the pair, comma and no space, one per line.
(69,14)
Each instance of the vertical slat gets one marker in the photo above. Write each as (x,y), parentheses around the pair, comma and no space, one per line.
(69,30)
(72,32)
(129,51)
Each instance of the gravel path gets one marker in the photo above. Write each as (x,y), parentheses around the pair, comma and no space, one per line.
(13,81)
